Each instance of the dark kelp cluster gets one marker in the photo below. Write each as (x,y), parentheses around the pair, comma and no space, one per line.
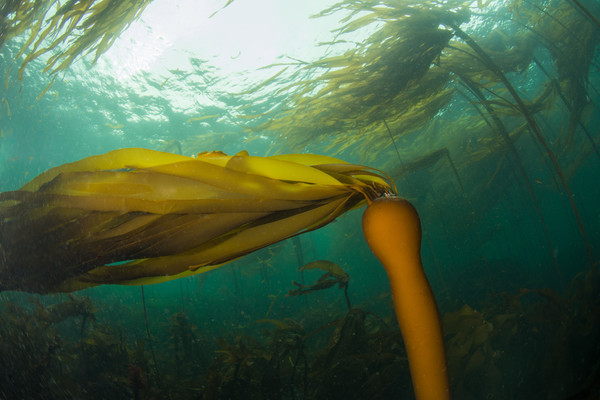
(553,330)
(360,358)
(545,343)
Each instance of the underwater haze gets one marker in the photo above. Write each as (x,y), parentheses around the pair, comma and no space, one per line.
(484,113)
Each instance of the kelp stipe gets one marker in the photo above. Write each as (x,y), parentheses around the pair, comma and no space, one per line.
(586,12)
(534,127)
(392,229)
(558,89)
(156,370)
(498,127)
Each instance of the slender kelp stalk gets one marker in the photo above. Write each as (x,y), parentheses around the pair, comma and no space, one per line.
(586,12)
(393,141)
(444,152)
(348,304)
(437,266)
(575,115)
(299,255)
(563,98)
(499,127)
(535,129)
(149,337)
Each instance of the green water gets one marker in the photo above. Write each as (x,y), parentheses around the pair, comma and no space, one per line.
(533,327)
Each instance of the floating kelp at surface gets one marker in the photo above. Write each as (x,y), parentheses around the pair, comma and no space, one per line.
(384,78)
(408,71)
(415,65)
(66,31)
(136,216)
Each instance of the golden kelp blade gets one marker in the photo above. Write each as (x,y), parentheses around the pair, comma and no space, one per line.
(137,216)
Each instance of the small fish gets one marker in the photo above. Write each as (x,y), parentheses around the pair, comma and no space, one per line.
(201,118)
(113,126)
(165,81)
(228,3)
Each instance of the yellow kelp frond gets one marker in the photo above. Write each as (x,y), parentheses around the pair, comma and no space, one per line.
(136,216)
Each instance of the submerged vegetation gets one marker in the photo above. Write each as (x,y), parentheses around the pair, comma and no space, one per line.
(59,33)
(67,30)
(422,61)
(419,60)
(62,349)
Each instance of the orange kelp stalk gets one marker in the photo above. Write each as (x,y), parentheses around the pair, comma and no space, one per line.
(137,216)
(392,228)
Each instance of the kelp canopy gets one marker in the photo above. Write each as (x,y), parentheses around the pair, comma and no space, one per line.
(418,61)
(66,30)
(136,216)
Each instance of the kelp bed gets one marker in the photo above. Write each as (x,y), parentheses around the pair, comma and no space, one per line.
(419,61)
(62,350)
(390,101)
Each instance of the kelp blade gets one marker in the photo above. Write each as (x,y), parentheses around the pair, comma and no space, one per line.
(137,216)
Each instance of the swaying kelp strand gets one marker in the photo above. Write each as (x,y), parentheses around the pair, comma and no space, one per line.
(501,130)
(567,37)
(75,29)
(567,104)
(156,371)
(534,128)
(384,78)
(586,12)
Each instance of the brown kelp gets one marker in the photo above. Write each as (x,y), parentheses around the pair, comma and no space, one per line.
(360,357)
(385,78)
(334,275)
(535,322)
(533,127)
(66,30)
(355,354)
(137,216)
(392,229)
(404,78)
